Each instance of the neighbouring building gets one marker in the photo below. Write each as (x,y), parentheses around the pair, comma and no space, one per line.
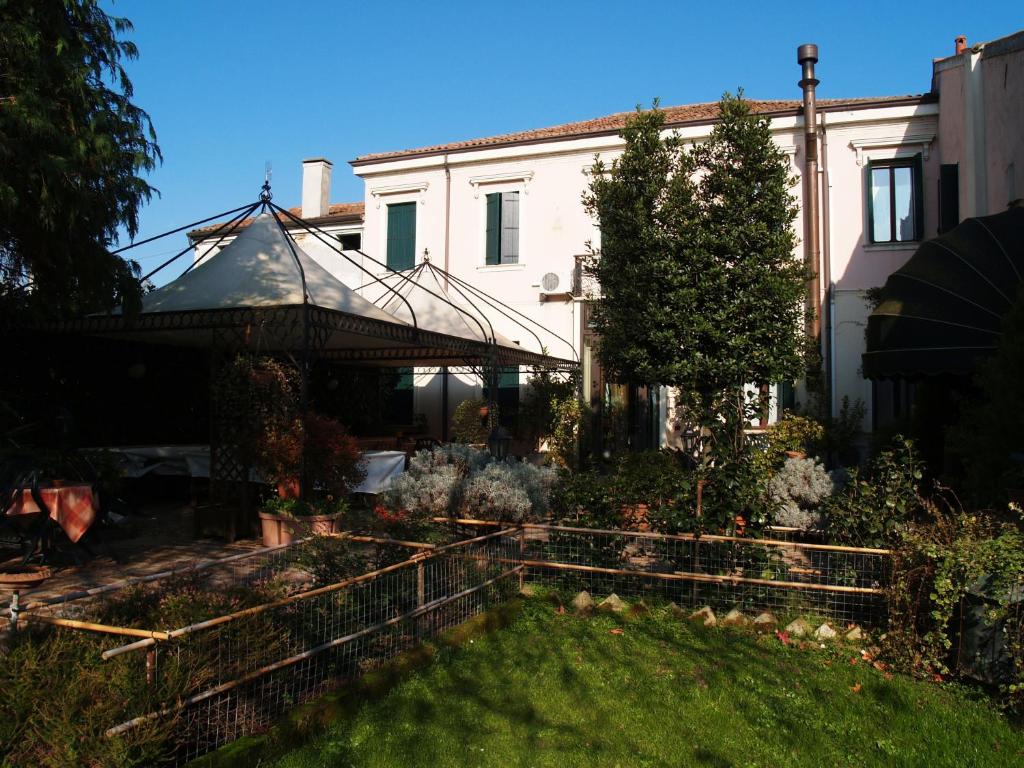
(505,214)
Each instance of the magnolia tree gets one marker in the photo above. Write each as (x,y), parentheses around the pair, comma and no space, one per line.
(700,287)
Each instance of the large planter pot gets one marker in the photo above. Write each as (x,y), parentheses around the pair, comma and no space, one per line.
(23,576)
(278,529)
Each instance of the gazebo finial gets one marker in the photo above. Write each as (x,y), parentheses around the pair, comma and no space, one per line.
(265,195)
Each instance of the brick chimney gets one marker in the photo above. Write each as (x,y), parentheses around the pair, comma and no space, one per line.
(961,44)
(316,187)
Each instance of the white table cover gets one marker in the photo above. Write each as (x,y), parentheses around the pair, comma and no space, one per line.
(381,468)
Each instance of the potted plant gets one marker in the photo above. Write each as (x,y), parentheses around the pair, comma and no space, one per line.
(322,449)
(279,456)
(283,520)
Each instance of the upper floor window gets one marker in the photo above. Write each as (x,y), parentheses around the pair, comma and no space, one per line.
(895,210)
(401,252)
(502,228)
(350,241)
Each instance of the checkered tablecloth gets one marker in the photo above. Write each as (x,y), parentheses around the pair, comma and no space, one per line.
(72,507)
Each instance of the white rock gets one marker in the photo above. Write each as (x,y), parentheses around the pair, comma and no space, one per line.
(854,634)
(582,602)
(799,628)
(825,632)
(735,618)
(612,603)
(765,622)
(705,615)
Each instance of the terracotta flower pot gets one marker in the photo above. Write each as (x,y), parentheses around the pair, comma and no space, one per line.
(796,454)
(23,576)
(278,529)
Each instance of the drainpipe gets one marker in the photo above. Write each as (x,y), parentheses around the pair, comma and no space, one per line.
(829,332)
(447,216)
(447,229)
(807,57)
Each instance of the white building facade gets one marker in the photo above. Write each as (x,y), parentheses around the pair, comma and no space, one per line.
(505,214)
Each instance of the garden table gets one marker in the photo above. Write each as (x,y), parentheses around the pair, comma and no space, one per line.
(73,507)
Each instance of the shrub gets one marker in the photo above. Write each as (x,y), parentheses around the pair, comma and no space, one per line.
(330,560)
(942,564)
(797,490)
(423,495)
(333,457)
(458,479)
(658,480)
(493,493)
(803,481)
(873,506)
(468,426)
(736,488)
(795,433)
(59,697)
(586,499)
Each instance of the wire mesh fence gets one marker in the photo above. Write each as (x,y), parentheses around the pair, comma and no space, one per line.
(231,675)
(840,583)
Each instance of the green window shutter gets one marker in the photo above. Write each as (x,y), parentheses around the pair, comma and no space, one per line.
(510,228)
(493,255)
(401,236)
(508,377)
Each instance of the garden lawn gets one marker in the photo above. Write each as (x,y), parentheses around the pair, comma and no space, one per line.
(560,690)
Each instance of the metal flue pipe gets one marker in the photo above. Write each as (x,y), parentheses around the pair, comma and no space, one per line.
(807,57)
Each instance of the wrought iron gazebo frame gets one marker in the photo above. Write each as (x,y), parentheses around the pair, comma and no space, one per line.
(276,329)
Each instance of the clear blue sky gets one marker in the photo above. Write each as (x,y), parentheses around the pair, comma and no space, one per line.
(231,85)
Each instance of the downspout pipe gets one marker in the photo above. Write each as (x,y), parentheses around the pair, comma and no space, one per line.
(828,335)
(447,241)
(807,57)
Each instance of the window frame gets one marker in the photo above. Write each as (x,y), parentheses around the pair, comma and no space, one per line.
(916,165)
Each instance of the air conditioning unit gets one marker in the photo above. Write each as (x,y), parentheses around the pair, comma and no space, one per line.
(556,283)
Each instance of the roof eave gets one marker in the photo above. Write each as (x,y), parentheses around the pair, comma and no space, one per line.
(924,98)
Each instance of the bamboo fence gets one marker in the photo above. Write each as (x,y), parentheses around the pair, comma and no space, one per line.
(231,675)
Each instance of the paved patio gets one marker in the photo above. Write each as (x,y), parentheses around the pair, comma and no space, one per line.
(159,538)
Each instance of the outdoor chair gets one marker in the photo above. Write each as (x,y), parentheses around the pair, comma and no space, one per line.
(26,533)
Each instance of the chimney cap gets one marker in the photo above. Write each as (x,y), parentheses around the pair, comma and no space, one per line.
(807,52)
(317,160)
(961,44)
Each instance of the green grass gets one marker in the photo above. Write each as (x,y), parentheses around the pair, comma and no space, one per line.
(562,691)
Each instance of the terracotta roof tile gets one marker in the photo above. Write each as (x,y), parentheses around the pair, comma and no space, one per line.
(688,113)
(335,212)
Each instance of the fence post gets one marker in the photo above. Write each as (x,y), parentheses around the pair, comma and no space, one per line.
(152,658)
(421,598)
(695,588)
(522,556)
(15,610)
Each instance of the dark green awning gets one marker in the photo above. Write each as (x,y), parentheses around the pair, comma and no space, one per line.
(943,310)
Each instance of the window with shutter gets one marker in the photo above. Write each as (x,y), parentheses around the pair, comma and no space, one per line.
(502,236)
(401,251)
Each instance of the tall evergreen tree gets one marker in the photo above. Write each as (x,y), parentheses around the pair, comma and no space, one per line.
(73,149)
(700,286)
